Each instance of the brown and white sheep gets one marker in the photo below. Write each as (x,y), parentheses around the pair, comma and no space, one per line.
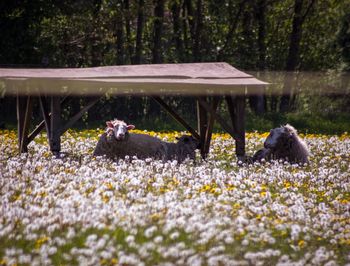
(283,143)
(144,146)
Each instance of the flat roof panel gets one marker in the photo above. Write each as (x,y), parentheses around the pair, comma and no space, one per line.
(161,79)
(188,70)
(131,86)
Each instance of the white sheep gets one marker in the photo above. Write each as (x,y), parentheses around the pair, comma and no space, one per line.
(144,146)
(118,129)
(283,143)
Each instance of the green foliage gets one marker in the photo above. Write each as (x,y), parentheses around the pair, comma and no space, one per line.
(304,122)
(88,33)
(251,35)
(343,37)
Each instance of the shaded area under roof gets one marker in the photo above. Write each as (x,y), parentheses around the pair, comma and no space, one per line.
(161,79)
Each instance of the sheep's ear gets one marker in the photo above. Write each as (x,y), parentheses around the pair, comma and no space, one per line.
(130,127)
(109,124)
(288,131)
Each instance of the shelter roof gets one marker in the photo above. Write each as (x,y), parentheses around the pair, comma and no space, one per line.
(156,79)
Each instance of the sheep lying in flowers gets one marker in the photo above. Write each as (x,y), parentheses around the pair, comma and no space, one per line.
(283,143)
(118,129)
(144,146)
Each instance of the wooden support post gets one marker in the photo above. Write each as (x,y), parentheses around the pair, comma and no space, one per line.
(55,123)
(41,125)
(27,119)
(208,133)
(218,118)
(236,107)
(21,108)
(24,113)
(176,116)
(46,116)
(202,124)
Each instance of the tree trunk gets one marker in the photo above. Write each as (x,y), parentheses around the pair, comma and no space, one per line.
(175,9)
(293,55)
(128,31)
(261,17)
(190,16)
(139,32)
(158,31)
(120,37)
(258,102)
(157,45)
(187,28)
(198,32)
(96,56)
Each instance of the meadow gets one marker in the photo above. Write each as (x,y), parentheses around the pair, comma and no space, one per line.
(81,210)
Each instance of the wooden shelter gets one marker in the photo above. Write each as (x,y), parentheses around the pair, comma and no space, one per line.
(207,82)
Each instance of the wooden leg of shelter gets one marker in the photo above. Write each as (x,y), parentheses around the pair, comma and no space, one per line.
(55,126)
(209,131)
(24,113)
(176,117)
(46,115)
(218,118)
(236,108)
(202,120)
(41,125)
(21,109)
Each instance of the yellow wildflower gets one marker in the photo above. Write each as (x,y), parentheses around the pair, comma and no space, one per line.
(301,243)
(41,241)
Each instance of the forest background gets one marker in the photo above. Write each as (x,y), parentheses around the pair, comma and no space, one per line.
(267,38)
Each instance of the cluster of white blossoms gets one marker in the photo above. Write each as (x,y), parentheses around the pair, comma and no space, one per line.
(92,211)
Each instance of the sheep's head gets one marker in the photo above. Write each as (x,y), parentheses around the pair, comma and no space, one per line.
(189,141)
(118,129)
(280,137)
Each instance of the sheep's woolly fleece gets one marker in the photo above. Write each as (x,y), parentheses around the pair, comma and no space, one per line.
(88,211)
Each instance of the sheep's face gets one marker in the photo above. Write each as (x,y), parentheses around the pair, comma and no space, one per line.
(189,141)
(276,138)
(118,129)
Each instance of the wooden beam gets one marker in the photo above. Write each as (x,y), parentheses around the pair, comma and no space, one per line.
(26,123)
(176,116)
(78,115)
(55,123)
(45,114)
(220,120)
(208,134)
(41,125)
(202,124)
(231,110)
(236,107)
(24,113)
(21,105)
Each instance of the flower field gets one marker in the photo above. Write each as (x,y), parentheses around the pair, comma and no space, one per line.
(81,210)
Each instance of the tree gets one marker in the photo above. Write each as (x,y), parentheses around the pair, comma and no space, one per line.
(198,32)
(120,34)
(294,50)
(158,32)
(175,7)
(139,32)
(343,39)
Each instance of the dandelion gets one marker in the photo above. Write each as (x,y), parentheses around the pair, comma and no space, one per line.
(150,212)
